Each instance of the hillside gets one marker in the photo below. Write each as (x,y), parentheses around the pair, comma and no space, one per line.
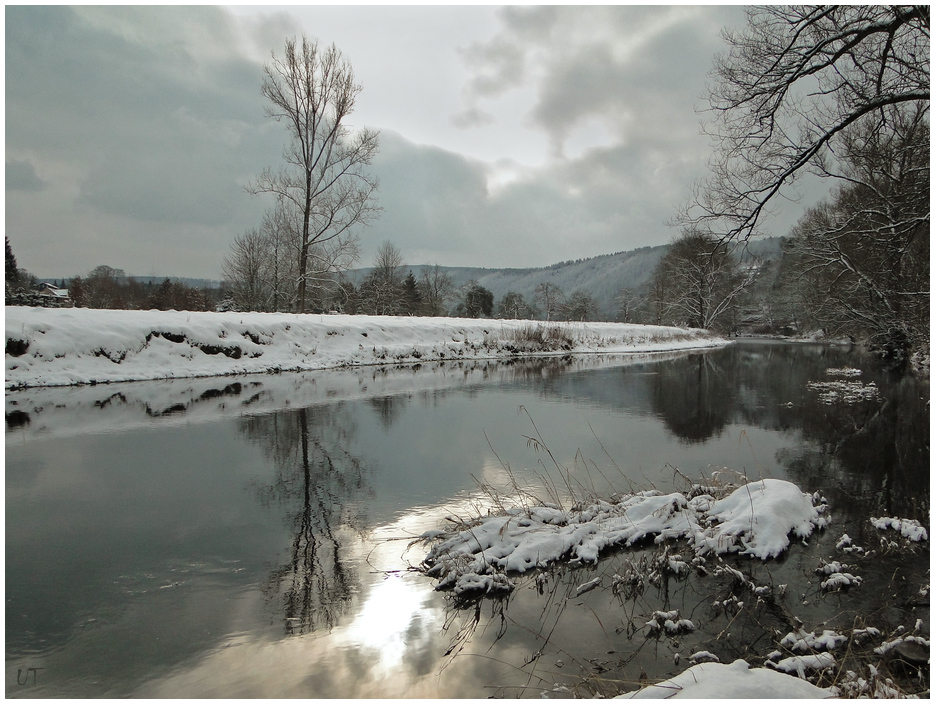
(603,276)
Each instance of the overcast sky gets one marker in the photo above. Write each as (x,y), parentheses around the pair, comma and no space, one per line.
(517,136)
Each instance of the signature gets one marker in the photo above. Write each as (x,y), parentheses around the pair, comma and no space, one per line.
(20,680)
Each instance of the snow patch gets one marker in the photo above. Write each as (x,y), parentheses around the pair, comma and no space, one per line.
(849,392)
(713,680)
(906,527)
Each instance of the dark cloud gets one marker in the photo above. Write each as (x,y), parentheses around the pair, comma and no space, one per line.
(148,115)
(21,176)
(145,123)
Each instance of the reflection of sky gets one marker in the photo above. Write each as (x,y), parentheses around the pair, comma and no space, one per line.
(386,618)
(391,645)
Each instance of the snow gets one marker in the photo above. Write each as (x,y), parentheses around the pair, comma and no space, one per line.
(906,527)
(839,581)
(755,520)
(799,664)
(65,346)
(714,680)
(895,642)
(843,371)
(849,392)
(761,515)
(806,641)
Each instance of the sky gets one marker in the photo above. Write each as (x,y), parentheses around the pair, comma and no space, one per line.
(513,136)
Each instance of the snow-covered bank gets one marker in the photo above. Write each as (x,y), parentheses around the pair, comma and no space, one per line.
(59,347)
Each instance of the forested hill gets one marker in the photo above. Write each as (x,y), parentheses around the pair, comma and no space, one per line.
(603,276)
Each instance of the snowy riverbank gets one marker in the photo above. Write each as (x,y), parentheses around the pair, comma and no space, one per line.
(60,347)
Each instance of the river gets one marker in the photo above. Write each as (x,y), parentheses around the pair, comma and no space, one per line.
(255,536)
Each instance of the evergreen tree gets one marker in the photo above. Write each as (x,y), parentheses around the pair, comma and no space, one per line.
(12,273)
(412,296)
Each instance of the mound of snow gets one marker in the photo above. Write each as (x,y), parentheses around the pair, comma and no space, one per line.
(714,680)
(756,520)
(761,515)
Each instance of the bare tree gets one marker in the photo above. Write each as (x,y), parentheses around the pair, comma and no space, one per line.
(437,287)
(580,306)
(243,269)
(628,303)
(697,282)
(103,288)
(381,293)
(864,255)
(281,229)
(550,297)
(514,306)
(793,81)
(324,176)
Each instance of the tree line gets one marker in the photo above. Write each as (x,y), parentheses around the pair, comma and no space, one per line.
(107,287)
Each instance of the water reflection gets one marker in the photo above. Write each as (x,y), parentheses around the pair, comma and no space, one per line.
(873,453)
(693,396)
(297,496)
(309,449)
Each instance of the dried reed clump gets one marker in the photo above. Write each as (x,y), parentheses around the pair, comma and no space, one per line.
(539,338)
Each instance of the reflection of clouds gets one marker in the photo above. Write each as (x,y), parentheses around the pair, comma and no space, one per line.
(392,647)
(390,618)
(390,644)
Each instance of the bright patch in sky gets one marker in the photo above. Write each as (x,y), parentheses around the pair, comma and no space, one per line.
(590,134)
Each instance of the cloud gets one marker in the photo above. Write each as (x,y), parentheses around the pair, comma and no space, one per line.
(472,117)
(135,115)
(440,206)
(638,70)
(21,176)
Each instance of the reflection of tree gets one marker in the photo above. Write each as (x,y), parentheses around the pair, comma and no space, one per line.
(694,396)
(388,408)
(875,452)
(321,482)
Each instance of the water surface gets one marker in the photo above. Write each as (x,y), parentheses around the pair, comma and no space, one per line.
(248,537)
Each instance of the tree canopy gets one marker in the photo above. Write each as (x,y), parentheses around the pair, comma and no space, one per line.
(793,81)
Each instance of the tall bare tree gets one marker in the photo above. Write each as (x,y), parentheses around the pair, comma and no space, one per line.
(794,79)
(550,298)
(324,177)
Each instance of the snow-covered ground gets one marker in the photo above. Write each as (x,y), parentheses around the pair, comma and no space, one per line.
(57,347)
